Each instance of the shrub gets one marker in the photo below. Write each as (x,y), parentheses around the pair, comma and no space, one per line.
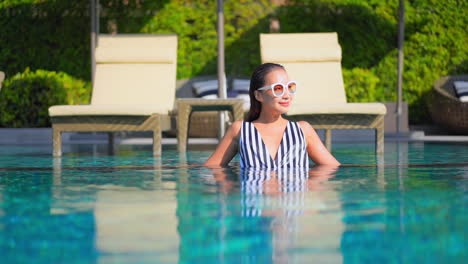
(435,38)
(362,84)
(195,23)
(50,35)
(435,46)
(26,97)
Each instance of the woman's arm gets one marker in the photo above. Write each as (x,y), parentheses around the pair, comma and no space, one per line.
(315,148)
(227,148)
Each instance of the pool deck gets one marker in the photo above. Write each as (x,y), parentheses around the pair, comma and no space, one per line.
(33,136)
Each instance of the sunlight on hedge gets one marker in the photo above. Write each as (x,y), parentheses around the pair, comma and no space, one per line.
(435,39)
(26,97)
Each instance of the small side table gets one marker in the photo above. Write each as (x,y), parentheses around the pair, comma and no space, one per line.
(185,107)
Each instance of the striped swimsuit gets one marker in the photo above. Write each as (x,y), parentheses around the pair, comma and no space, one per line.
(292,184)
(292,151)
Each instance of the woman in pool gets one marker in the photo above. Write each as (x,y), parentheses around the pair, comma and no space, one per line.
(266,140)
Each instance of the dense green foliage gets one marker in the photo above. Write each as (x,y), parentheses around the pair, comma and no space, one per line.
(195,23)
(362,84)
(435,38)
(26,97)
(435,44)
(49,35)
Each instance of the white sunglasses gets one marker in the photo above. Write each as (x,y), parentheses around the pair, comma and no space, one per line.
(278,89)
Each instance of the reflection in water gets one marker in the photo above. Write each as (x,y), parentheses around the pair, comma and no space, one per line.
(262,216)
(133,211)
(101,210)
(287,188)
(138,226)
(32,230)
(417,216)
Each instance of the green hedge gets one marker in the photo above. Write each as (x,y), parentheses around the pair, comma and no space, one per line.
(26,97)
(435,44)
(195,23)
(435,39)
(362,84)
(51,35)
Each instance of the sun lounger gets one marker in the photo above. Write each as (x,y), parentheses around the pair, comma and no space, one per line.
(314,61)
(133,89)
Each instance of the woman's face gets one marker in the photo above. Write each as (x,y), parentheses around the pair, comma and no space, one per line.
(268,100)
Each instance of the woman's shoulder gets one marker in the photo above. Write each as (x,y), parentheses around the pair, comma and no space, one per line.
(236,127)
(305,126)
(237,124)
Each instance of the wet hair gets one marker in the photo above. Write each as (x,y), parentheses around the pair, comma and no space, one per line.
(257,80)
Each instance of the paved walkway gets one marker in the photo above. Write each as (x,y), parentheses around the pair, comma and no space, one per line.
(44,136)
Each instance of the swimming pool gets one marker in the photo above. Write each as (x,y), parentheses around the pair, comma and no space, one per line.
(88,207)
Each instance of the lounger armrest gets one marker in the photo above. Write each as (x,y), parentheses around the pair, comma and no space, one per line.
(106,110)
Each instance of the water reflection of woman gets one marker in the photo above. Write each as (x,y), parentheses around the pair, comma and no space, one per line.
(266,139)
(287,186)
(282,183)
(273,204)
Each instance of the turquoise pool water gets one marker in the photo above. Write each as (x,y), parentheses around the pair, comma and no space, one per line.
(407,206)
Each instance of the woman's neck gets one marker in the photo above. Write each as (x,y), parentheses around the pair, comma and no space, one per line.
(269,118)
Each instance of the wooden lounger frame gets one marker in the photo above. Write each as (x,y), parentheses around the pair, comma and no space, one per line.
(109,124)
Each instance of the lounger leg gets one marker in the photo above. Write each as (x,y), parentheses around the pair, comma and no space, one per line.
(379,141)
(379,136)
(157,135)
(381,171)
(57,167)
(183,117)
(56,141)
(328,135)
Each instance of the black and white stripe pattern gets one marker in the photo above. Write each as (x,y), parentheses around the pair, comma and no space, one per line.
(292,183)
(292,151)
(290,179)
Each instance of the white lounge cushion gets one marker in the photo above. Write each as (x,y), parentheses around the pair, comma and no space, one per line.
(241,87)
(209,90)
(145,48)
(206,89)
(317,83)
(246,99)
(348,108)
(461,89)
(102,110)
(300,47)
(132,84)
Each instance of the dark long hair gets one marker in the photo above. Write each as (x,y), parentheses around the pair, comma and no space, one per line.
(257,81)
